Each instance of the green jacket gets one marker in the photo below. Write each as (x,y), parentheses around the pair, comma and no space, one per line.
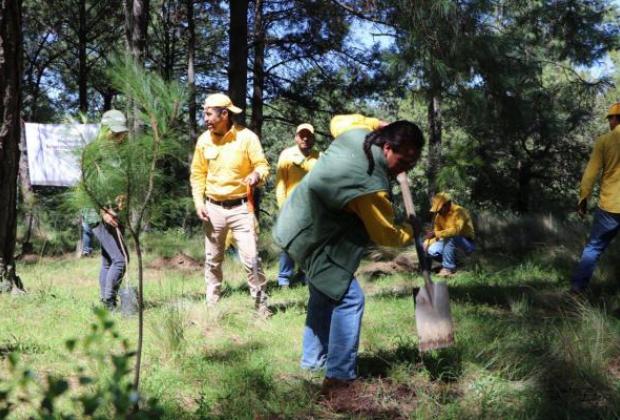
(315,229)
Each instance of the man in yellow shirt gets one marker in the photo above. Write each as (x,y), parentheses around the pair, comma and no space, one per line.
(452,230)
(228,158)
(294,163)
(604,161)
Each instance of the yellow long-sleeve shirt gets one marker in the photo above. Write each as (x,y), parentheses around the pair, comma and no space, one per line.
(292,167)
(456,223)
(220,164)
(341,123)
(376,212)
(604,160)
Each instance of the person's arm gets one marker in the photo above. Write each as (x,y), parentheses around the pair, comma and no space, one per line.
(376,212)
(259,163)
(342,123)
(590,174)
(281,180)
(198,178)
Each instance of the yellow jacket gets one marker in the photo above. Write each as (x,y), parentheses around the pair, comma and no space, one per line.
(456,223)
(292,167)
(376,212)
(220,164)
(605,159)
(341,123)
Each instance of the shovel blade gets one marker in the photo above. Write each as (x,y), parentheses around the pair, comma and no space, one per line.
(433,317)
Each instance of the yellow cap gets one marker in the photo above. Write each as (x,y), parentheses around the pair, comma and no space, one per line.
(439,200)
(304,126)
(614,109)
(219,100)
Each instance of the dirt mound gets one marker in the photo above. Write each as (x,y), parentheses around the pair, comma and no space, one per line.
(180,261)
(402,263)
(377,399)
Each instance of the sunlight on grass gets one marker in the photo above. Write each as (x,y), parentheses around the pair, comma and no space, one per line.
(523,348)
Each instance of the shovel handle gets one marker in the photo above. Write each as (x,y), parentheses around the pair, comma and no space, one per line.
(410,210)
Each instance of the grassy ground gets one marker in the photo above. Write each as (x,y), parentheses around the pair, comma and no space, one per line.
(524,349)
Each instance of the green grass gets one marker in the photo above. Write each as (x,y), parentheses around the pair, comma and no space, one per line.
(523,348)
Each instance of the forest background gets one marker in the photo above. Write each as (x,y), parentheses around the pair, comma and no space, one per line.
(510,94)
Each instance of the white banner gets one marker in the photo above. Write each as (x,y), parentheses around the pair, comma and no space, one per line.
(53,152)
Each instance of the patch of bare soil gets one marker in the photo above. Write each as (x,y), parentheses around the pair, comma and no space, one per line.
(402,263)
(180,261)
(377,399)
(29,258)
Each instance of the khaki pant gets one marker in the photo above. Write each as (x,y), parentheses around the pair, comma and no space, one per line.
(239,222)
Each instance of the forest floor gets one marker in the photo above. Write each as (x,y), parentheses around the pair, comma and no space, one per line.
(524,347)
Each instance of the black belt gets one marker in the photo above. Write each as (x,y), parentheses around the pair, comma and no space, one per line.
(228,204)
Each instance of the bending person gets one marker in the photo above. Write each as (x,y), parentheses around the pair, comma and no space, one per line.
(326,225)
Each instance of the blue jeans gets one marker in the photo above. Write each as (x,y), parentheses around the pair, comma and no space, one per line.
(444,250)
(287,270)
(112,262)
(604,229)
(332,332)
(87,239)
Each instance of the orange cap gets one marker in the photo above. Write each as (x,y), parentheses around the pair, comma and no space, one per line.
(614,110)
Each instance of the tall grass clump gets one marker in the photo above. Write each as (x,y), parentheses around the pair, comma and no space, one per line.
(170,330)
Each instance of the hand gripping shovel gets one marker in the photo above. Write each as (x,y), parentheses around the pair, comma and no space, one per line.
(432,304)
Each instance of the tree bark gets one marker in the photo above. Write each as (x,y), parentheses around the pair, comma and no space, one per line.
(191,76)
(10,131)
(434,142)
(139,26)
(136,27)
(238,54)
(256,123)
(28,198)
(524,179)
(82,64)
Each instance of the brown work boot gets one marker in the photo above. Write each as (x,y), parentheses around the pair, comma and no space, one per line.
(446,272)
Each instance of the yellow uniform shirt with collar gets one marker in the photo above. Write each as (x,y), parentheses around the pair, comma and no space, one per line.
(292,167)
(605,160)
(220,164)
(375,210)
(456,223)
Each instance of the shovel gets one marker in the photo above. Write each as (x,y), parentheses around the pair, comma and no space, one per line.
(128,295)
(432,304)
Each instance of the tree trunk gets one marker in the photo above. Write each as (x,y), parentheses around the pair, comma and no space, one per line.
(28,198)
(256,123)
(137,21)
(191,76)
(434,142)
(108,96)
(238,54)
(524,175)
(139,26)
(82,64)
(10,107)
